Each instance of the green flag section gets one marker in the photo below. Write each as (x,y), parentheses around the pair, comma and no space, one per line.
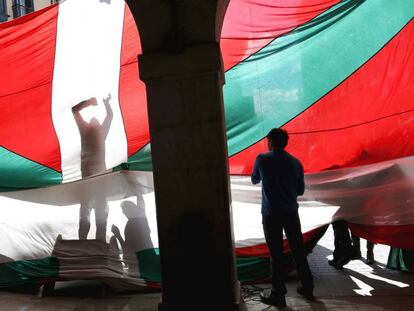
(333,73)
(250,25)
(401,259)
(25,272)
(286,58)
(18,172)
(294,71)
(53,60)
(150,265)
(366,119)
(32,272)
(140,161)
(253,263)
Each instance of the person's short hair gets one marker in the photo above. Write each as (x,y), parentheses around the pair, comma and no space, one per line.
(279,137)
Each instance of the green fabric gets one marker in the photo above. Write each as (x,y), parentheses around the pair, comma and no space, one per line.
(140,161)
(400,259)
(23,272)
(150,265)
(30,271)
(18,172)
(286,77)
(248,268)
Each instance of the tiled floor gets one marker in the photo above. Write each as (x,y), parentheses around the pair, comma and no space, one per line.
(357,287)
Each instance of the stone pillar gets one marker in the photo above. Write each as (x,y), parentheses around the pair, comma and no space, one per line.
(189,154)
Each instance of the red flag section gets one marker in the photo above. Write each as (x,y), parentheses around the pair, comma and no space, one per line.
(365,115)
(132,93)
(368,118)
(27,48)
(251,25)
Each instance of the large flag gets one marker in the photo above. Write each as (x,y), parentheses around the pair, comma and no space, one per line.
(338,75)
(53,60)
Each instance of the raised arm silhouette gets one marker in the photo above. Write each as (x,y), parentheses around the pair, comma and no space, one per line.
(93,135)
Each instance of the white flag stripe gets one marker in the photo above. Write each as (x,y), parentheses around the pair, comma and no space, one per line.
(87,64)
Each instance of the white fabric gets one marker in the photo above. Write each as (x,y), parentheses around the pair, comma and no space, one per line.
(42,222)
(87,62)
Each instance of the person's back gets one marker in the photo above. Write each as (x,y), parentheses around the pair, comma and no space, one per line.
(282,181)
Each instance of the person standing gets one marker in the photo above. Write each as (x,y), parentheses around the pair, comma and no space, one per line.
(356,245)
(343,251)
(93,136)
(282,180)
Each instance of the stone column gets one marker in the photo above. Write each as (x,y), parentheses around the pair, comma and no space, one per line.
(189,154)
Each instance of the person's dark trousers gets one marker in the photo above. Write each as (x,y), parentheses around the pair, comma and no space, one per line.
(273,226)
(342,241)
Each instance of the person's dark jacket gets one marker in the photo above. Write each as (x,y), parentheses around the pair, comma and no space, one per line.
(282,180)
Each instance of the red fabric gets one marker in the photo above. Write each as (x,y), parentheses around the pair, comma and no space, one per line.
(27,129)
(249,25)
(239,40)
(261,250)
(396,236)
(153,285)
(366,119)
(132,92)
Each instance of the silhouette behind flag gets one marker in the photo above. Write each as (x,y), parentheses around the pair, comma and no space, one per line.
(93,135)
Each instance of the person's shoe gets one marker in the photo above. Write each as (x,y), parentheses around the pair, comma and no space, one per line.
(308,295)
(356,254)
(340,262)
(370,257)
(335,264)
(273,299)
